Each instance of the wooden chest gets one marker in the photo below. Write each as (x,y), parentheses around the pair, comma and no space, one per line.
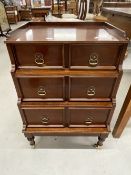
(66,76)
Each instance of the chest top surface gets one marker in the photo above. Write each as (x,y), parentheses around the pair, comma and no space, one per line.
(67,32)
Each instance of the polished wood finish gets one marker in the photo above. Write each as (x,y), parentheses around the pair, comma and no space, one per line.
(65,131)
(124,116)
(25,14)
(40,11)
(46,117)
(40,105)
(120,17)
(67,32)
(92,114)
(84,88)
(81,56)
(50,55)
(42,73)
(66,76)
(45,89)
(89,117)
(12,14)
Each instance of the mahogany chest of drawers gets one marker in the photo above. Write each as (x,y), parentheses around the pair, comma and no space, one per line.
(66,76)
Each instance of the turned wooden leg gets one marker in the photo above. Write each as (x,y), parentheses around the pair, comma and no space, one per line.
(30,139)
(101,139)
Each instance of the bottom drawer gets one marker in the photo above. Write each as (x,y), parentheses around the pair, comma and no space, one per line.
(66,114)
(45,117)
(88,117)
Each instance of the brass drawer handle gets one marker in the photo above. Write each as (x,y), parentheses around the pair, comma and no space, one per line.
(45,120)
(91,91)
(41,91)
(88,121)
(39,59)
(93,60)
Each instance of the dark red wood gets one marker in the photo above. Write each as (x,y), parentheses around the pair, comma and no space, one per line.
(46,89)
(28,55)
(87,88)
(81,56)
(67,32)
(66,76)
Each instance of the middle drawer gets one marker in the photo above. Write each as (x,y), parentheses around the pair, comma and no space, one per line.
(42,89)
(63,114)
(91,88)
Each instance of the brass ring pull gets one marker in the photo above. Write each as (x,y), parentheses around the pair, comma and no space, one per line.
(93,60)
(88,121)
(91,91)
(41,91)
(45,120)
(39,59)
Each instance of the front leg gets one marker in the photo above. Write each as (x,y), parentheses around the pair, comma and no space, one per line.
(30,138)
(101,139)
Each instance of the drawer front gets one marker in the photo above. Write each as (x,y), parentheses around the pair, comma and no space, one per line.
(89,88)
(39,55)
(87,56)
(45,89)
(86,117)
(46,117)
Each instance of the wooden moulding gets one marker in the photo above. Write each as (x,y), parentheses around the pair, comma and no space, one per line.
(66,131)
(43,73)
(39,105)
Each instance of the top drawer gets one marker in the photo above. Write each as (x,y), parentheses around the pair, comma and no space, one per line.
(83,56)
(39,55)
